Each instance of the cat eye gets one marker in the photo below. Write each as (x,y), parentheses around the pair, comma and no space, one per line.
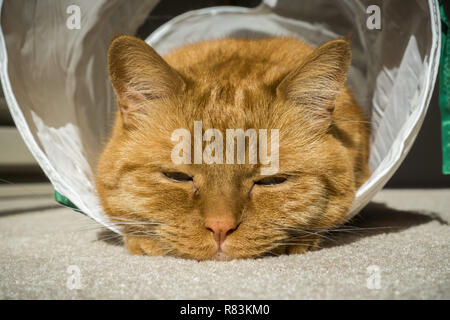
(270,181)
(177,176)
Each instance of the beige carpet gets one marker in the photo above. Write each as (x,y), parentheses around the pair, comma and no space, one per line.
(398,248)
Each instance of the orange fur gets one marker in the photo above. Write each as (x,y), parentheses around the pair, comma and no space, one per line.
(279,83)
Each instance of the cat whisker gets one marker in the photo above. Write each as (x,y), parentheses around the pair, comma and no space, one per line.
(137,223)
(304,233)
(362,228)
(88,225)
(112,237)
(124,221)
(355,229)
(142,232)
(89,228)
(130,220)
(118,236)
(292,243)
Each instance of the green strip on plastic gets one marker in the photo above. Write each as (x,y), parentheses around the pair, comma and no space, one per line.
(444,88)
(65,202)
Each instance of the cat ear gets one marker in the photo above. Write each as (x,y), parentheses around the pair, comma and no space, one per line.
(138,74)
(316,83)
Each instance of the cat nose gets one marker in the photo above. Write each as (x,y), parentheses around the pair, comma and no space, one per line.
(221,228)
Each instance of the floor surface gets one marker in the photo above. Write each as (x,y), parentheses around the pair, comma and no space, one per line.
(397,248)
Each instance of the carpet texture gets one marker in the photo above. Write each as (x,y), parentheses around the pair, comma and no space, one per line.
(397,248)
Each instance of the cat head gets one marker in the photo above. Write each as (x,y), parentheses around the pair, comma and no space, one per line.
(224,210)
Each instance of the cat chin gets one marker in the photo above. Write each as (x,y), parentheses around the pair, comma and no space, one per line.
(220,256)
(151,247)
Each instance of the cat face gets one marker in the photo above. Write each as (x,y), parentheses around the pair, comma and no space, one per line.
(229,210)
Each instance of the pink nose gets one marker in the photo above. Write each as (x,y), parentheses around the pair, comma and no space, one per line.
(221,228)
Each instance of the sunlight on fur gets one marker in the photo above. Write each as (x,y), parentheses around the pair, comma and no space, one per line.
(230,211)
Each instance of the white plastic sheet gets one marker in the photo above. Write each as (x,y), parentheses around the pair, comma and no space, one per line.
(56,85)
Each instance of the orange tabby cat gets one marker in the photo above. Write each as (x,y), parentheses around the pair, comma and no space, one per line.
(227,211)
